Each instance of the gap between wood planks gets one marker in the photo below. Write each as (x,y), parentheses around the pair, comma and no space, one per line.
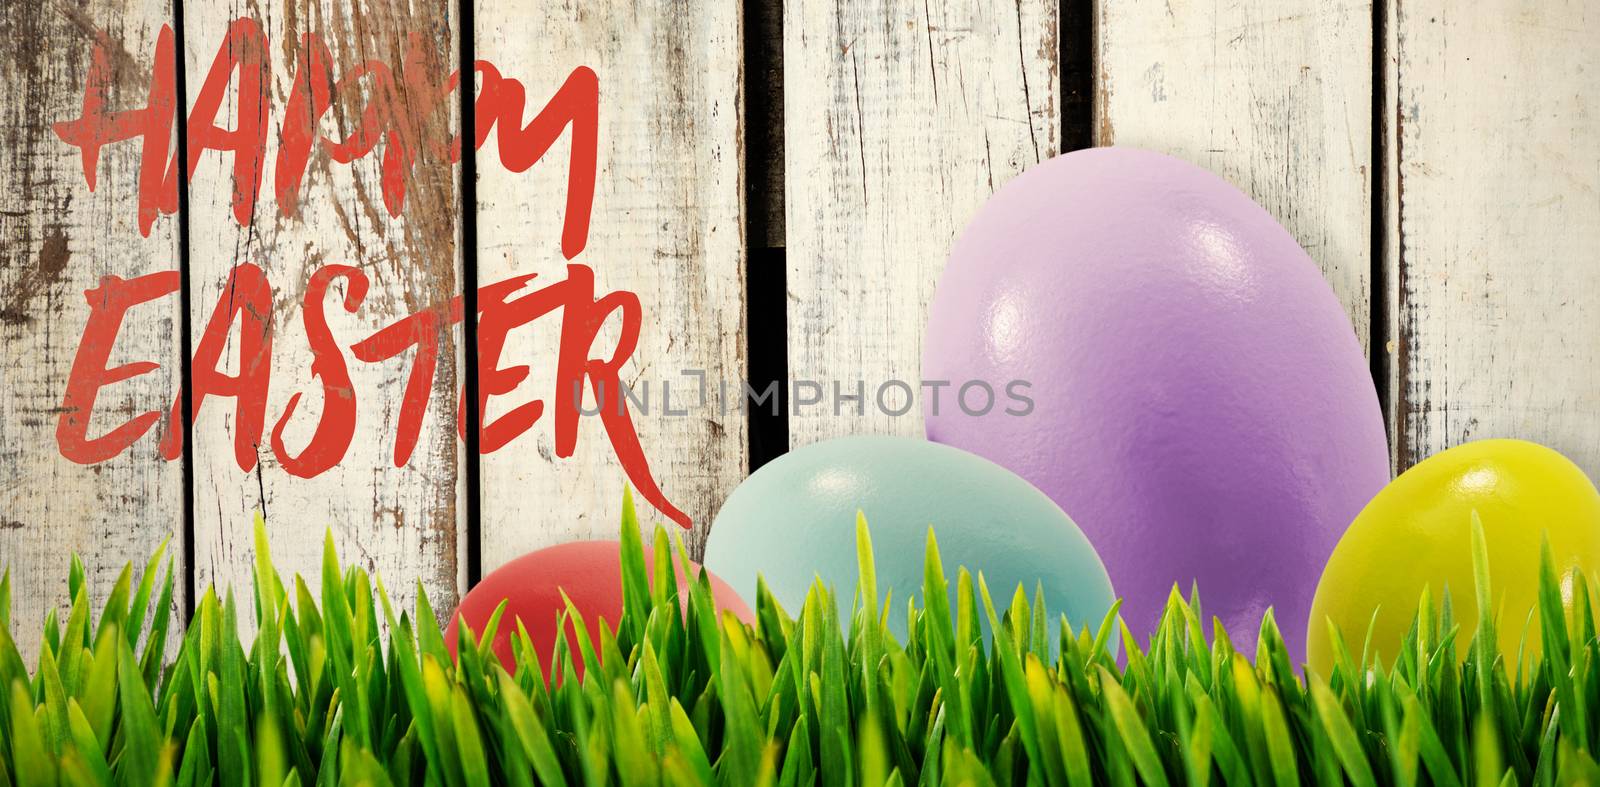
(468,53)
(186,355)
(1379,340)
(766,287)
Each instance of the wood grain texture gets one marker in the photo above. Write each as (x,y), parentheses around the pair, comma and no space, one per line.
(1273,95)
(1495,118)
(59,239)
(901,119)
(667,225)
(403,522)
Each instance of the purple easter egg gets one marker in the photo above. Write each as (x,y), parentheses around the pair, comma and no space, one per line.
(1200,405)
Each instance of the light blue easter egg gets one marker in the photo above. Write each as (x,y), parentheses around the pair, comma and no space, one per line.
(794,520)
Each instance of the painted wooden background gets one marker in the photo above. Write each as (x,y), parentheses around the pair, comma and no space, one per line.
(779,181)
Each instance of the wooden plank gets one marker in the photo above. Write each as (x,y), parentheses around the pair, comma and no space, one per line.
(667,225)
(60,239)
(902,118)
(404,522)
(1495,225)
(1273,95)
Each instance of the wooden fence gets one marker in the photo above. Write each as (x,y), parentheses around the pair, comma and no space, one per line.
(779,182)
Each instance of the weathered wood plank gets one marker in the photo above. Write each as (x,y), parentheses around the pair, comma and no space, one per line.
(59,239)
(1273,95)
(667,225)
(404,522)
(1495,124)
(902,118)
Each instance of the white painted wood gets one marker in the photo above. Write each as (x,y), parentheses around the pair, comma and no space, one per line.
(1496,113)
(901,119)
(404,522)
(56,240)
(667,225)
(1273,95)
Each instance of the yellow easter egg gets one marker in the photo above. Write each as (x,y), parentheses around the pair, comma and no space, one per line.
(1417,532)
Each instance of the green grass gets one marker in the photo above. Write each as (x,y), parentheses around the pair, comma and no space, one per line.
(356,692)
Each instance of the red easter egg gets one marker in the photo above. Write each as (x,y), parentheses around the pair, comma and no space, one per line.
(590,572)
